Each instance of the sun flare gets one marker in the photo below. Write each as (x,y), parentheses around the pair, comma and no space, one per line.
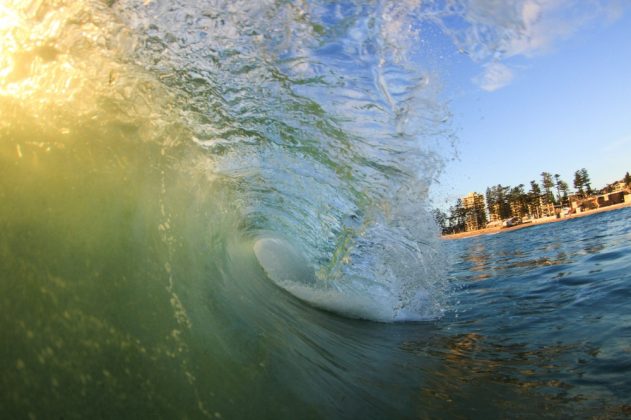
(31,63)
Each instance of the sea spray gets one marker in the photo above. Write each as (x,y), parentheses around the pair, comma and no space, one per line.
(334,161)
(147,147)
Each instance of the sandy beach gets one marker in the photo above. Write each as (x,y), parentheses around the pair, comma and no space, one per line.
(536,222)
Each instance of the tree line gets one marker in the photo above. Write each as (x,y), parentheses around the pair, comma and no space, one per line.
(505,202)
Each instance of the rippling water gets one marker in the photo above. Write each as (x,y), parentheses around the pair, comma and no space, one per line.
(543,318)
(206,206)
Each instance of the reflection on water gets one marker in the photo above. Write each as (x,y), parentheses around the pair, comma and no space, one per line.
(548,325)
(478,375)
(487,258)
(479,260)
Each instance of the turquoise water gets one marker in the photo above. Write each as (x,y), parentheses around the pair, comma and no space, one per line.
(219,209)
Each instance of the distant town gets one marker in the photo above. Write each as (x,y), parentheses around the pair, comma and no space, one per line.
(551,199)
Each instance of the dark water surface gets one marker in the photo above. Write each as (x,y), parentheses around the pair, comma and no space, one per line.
(217,209)
(544,319)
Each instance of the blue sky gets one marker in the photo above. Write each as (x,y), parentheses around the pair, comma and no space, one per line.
(557,106)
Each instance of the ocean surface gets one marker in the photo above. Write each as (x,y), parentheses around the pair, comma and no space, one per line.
(217,209)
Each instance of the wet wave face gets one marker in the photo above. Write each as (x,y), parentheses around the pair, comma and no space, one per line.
(183,182)
(309,113)
(310,118)
(187,185)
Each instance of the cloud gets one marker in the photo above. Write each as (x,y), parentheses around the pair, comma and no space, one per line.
(495,76)
(498,30)
(524,27)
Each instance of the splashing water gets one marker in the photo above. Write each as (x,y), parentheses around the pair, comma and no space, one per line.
(166,165)
(311,129)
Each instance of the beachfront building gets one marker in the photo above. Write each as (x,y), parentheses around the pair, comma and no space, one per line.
(475,211)
(615,187)
(547,208)
(518,209)
(494,213)
(618,195)
(541,208)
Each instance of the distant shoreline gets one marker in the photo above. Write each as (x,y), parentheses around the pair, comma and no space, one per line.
(536,222)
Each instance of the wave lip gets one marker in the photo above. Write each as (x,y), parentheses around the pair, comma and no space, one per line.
(289,270)
(282,262)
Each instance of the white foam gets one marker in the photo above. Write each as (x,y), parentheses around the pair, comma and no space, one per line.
(287,268)
(282,262)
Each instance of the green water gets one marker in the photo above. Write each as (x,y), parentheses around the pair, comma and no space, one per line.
(218,209)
